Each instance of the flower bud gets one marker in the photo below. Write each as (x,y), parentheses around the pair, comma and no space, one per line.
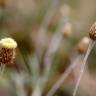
(92,32)
(7,50)
(67,30)
(83,45)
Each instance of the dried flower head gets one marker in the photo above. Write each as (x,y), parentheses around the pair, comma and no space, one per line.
(83,45)
(92,32)
(7,50)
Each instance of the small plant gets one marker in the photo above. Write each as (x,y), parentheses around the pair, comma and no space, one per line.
(7,52)
(81,48)
(92,34)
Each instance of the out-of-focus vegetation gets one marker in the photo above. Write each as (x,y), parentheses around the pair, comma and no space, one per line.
(48,33)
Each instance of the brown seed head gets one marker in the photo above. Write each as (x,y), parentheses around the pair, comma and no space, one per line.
(7,50)
(92,32)
(7,56)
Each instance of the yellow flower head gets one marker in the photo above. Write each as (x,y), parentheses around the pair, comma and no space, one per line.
(8,43)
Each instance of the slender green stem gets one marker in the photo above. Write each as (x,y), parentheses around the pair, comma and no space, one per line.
(91,44)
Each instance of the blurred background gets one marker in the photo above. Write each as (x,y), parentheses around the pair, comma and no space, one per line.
(48,33)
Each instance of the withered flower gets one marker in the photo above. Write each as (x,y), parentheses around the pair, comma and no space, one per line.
(92,32)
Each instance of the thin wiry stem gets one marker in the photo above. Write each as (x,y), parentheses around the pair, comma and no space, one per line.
(45,23)
(91,44)
(64,76)
(2,68)
(42,33)
(53,47)
(34,66)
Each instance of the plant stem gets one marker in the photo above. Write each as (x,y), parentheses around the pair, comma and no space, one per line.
(42,33)
(34,66)
(91,44)
(19,83)
(45,23)
(38,89)
(2,68)
(53,47)
(64,76)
